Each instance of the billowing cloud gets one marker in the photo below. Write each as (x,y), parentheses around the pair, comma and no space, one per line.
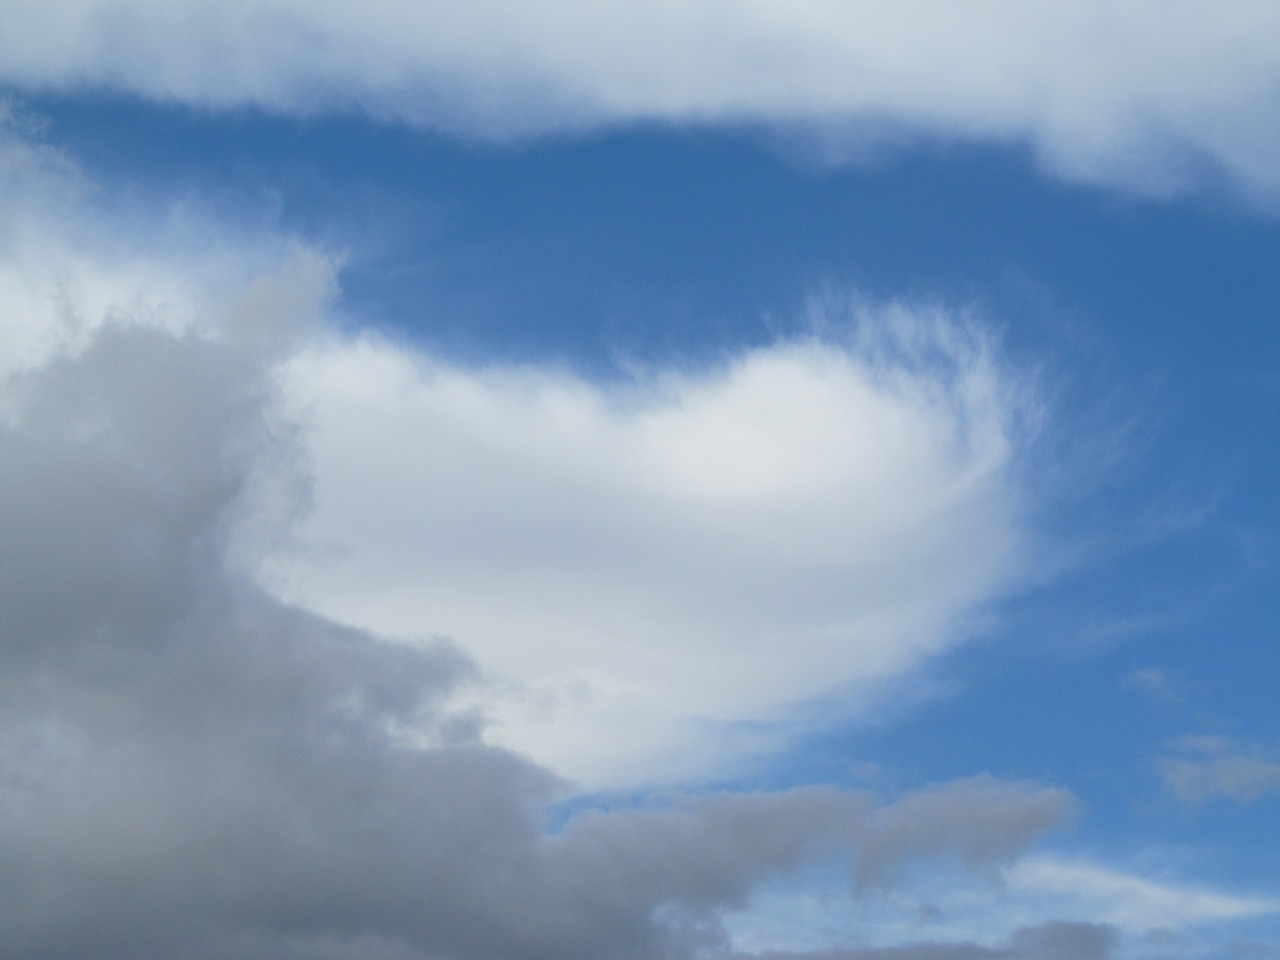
(1147,94)
(191,768)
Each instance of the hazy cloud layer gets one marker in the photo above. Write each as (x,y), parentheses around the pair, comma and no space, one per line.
(1147,94)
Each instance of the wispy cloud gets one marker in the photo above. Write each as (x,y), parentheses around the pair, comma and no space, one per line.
(1155,683)
(1129,901)
(1200,768)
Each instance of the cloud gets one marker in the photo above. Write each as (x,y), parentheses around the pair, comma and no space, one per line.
(1134,903)
(643,564)
(935,816)
(191,768)
(657,575)
(1063,940)
(1207,767)
(1053,940)
(1148,95)
(69,263)
(1154,683)
(948,907)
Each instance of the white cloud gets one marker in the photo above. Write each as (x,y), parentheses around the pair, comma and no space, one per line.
(1140,93)
(68,265)
(1071,888)
(647,562)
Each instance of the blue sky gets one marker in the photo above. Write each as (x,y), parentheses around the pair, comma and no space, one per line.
(847,432)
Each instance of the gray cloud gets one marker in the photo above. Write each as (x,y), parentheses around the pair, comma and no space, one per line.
(1206,767)
(192,769)
(1063,940)
(979,820)
(1055,940)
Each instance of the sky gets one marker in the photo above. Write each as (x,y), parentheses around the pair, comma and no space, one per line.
(716,480)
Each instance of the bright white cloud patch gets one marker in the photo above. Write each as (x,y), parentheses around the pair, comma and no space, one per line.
(1142,93)
(643,563)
